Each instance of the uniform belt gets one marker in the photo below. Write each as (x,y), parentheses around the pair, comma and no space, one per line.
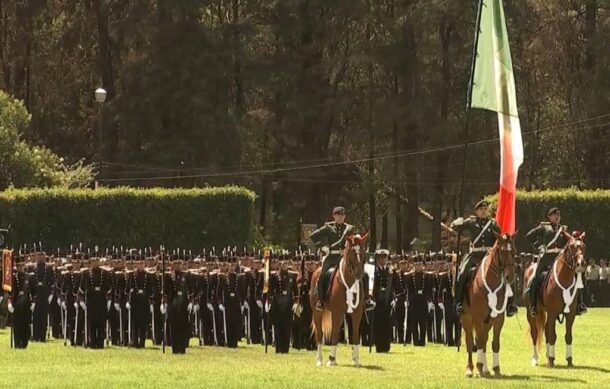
(480,249)
(555,250)
(335,251)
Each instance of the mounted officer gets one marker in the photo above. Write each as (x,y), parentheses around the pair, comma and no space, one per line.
(548,240)
(482,230)
(330,239)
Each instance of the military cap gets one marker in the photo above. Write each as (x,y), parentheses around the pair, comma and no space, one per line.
(482,203)
(552,211)
(338,209)
(382,252)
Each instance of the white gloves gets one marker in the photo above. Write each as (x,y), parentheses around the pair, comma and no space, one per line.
(117,307)
(195,307)
(430,307)
(297,309)
(1,298)
(246,305)
(393,303)
(75,305)
(325,251)
(152,309)
(32,307)
(128,306)
(83,306)
(10,308)
(441,306)
(267,307)
(259,303)
(221,307)
(49,299)
(64,306)
(108,305)
(210,307)
(190,307)
(162,309)
(58,301)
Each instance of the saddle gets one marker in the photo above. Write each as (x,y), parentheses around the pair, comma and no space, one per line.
(541,281)
(327,281)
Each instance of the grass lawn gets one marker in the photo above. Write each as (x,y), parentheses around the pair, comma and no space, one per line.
(53,365)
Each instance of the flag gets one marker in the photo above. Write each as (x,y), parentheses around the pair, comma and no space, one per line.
(7,270)
(493,89)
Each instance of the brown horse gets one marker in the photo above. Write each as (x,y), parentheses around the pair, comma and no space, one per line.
(346,297)
(557,298)
(489,288)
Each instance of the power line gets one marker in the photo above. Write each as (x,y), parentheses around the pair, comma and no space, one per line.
(356,161)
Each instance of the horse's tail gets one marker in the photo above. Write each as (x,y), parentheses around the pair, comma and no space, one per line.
(540,324)
(327,325)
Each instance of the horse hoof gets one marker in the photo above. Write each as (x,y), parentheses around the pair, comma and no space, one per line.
(550,364)
(534,362)
(468,373)
(570,363)
(331,363)
(357,364)
(319,363)
(497,372)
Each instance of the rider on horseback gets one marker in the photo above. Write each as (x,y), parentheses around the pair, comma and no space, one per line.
(330,239)
(482,230)
(548,240)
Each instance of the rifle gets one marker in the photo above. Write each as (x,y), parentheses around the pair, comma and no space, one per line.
(162,297)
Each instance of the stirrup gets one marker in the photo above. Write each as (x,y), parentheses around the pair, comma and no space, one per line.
(533,310)
(459,308)
(580,309)
(511,310)
(319,305)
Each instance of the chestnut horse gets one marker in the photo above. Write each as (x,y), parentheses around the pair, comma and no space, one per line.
(557,298)
(346,297)
(489,288)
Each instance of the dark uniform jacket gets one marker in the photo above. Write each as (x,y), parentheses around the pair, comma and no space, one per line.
(332,235)
(542,238)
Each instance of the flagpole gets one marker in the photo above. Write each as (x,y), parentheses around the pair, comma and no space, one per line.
(466,138)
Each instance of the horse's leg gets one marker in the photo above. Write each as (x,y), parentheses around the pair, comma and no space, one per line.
(495,344)
(467,325)
(481,344)
(568,338)
(532,320)
(337,320)
(317,319)
(355,339)
(551,338)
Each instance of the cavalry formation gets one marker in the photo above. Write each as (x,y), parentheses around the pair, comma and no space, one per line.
(123,298)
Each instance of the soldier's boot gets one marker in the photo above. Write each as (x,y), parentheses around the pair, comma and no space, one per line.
(369,304)
(511,309)
(459,295)
(582,307)
(533,297)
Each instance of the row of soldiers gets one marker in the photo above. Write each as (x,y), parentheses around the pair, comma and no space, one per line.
(93,302)
(598,283)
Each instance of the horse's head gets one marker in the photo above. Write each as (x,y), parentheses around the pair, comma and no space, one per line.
(505,254)
(575,251)
(355,253)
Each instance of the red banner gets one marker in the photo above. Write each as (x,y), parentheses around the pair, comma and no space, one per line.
(7,270)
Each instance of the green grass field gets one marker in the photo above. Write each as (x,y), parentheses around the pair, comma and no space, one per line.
(53,365)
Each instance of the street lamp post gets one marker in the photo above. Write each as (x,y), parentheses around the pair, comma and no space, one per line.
(100,98)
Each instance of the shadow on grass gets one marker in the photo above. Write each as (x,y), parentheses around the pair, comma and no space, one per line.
(577,367)
(369,367)
(540,378)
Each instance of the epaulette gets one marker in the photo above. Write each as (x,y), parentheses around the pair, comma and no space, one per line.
(545,223)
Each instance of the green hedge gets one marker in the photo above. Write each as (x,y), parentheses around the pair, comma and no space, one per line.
(184,218)
(587,211)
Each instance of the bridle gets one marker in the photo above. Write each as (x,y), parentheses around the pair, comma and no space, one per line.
(505,257)
(573,256)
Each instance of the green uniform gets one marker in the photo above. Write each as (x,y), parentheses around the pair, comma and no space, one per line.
(482,233)
(548,240)
(331,235)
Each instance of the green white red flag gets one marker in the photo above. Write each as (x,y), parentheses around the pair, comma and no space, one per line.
(494,89)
